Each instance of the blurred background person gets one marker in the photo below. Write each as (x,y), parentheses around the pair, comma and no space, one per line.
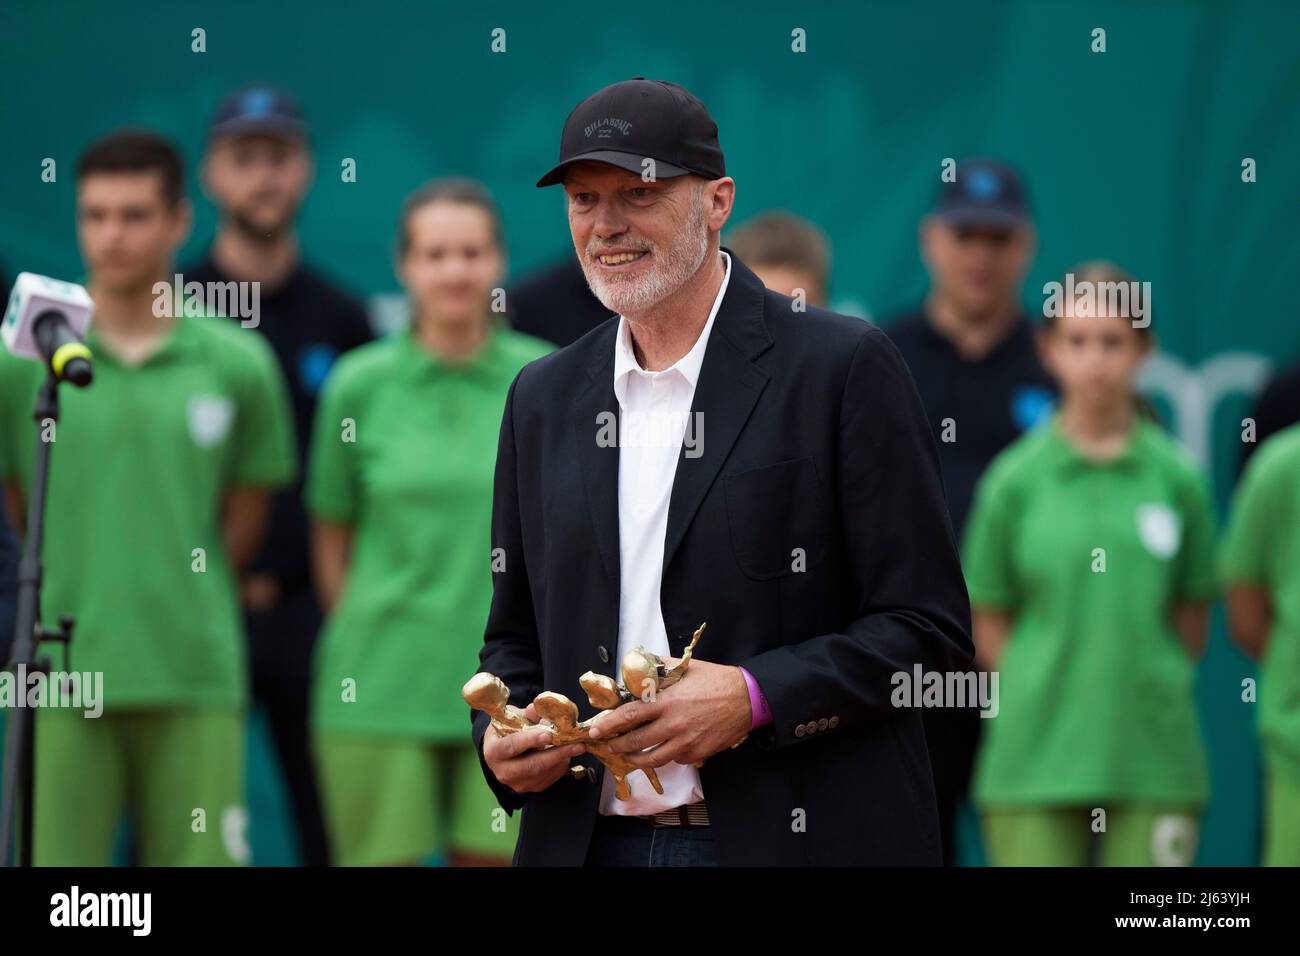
(8,588)
(400,488)
(1089,558)
(786,252)
(555,304)
(257,170)
(1277,407)
(971,351)
(8,556)
(1261,572)
(159,491)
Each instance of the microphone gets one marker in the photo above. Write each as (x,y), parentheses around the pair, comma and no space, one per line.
(46,321)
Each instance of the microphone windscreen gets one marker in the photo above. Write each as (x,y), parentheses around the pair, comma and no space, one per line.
(33,294)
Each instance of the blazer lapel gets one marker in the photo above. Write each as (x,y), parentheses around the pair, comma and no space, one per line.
(599,461)
(728,388)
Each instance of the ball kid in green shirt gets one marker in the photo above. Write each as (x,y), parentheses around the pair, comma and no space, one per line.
(159,484)
(1261,571)
(1089,559)
(400,487)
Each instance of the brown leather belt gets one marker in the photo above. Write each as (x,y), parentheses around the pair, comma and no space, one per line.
(687,815)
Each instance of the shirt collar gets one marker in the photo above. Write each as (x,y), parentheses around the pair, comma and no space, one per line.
(422,361)
(1071,460)
(688,366)
(1016,335)
(266,291)
(176,341)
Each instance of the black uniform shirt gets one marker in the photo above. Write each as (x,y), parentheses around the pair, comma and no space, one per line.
(309,323)
(991,400)
(1276,408)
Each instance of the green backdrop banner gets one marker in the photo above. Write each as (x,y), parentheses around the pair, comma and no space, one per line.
(1133,154)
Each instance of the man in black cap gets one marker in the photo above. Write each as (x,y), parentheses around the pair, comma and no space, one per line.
(709,455)
(971,351)
(257,170)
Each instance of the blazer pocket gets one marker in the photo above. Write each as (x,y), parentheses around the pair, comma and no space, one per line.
(919,780)
(777,515)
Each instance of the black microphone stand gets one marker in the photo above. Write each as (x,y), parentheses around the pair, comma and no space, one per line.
(20,742)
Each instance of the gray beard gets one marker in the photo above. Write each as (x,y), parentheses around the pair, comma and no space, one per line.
(671,270)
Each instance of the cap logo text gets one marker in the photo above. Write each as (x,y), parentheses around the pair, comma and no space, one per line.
(604,128)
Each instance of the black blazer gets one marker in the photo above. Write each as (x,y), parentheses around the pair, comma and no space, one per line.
(813,438)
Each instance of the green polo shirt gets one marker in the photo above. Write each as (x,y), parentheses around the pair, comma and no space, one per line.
(1262,546)
(404,450)
(133,544)
(1095,686)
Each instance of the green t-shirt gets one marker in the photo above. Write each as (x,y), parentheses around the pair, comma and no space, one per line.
(133,544)
(1095,686)
(404,451)
(1262,546)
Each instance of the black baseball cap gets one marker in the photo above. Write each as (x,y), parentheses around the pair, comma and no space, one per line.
(258,109)
(986,193)
(628,122)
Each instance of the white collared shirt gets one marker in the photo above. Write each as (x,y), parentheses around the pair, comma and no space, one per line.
(654,409)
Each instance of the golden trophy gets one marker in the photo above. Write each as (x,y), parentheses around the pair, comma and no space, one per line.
(641,670)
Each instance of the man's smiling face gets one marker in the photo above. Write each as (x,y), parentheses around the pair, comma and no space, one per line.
(638,241)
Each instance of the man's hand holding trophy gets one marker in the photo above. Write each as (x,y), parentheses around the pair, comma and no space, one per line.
(513,750)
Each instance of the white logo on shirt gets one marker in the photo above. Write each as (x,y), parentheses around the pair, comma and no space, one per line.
(234,834)
(210,417)
(1160,529)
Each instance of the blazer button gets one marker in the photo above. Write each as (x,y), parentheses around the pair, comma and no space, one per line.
(823,724)
(834,721)
(799,730)
(811,726)
(604,654)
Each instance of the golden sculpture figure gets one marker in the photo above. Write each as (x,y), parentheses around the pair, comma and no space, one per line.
(487,693)
(641,669)
(645,674)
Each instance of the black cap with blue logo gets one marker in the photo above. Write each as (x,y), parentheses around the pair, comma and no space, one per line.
(985,194)
(258,110)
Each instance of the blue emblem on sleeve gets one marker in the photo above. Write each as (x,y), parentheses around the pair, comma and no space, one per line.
(314,364)
(1031,405)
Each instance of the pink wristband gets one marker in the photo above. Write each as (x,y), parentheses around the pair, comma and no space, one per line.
(757,702)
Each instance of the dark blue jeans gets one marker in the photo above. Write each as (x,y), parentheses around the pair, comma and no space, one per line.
(631,841)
